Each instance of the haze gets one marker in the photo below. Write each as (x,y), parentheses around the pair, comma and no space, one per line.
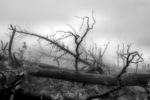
(118,21)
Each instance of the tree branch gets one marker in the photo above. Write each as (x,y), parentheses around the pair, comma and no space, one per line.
(10,43)
(53,42)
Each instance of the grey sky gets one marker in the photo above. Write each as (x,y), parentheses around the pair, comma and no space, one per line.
(117,20)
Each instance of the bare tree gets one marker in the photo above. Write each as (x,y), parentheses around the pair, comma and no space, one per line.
(130,57)
(10,44)
(78,39)
(6,49)
(122,55)
(118,81)
(95,56)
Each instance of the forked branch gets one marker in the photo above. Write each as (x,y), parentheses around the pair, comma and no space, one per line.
(78,40)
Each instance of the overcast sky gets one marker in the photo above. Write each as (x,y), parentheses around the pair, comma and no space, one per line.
(118,21)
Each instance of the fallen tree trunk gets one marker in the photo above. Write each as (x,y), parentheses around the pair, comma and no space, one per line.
(129,79)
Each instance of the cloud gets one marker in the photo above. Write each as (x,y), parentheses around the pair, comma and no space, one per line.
(117,20)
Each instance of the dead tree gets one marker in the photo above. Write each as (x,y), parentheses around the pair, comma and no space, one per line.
(130,57)
(61,47)
(95,56)
(6,53)
(122,55)
(119,81)
(79,39)
(10,44)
